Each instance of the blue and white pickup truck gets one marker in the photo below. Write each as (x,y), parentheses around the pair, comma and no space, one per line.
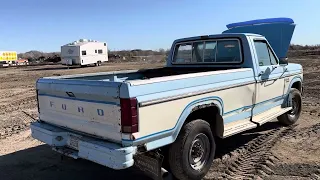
(213,87)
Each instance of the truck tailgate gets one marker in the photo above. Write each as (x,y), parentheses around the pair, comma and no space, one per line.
(91,107)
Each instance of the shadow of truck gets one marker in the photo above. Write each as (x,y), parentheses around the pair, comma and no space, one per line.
(42,163)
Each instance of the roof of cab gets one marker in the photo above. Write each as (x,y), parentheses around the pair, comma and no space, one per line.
(215,36)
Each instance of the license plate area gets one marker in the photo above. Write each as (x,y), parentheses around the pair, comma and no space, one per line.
(73,142)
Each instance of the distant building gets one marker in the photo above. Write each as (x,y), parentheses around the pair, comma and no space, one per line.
(22,62)
(84,52)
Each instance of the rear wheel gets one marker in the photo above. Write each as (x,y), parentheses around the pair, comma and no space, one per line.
(191,155)
(293,115)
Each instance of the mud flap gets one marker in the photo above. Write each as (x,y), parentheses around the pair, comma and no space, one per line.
(287,101)
(150,163)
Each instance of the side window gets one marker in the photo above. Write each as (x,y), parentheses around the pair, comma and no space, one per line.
(183,53)
(197,52)
(272,57)
(228,51)
(100,51)
(264,53)
(84,52)
(210,51)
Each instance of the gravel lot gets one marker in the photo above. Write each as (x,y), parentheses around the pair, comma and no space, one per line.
(269,152)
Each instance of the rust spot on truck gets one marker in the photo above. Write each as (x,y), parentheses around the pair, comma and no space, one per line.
(202,106)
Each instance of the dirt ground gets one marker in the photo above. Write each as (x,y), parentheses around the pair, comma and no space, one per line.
(268,152)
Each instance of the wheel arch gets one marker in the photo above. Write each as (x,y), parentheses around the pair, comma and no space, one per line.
(296,83)
(192,109)
(209,109)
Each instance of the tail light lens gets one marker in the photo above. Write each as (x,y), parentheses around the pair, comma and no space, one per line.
(129,115)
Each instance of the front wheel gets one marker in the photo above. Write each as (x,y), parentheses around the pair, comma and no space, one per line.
(293,115)
(191,155)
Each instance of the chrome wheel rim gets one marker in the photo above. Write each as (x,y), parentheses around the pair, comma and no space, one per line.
(199,151)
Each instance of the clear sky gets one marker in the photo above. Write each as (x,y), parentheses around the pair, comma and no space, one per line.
(45,25)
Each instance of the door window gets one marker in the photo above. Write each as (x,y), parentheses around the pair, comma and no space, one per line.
(264,53)
(272,57)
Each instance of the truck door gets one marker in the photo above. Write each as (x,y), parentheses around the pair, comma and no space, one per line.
(270,83)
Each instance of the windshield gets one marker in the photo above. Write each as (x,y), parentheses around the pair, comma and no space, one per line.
(209,51)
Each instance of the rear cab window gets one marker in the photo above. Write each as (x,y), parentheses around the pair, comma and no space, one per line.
(208,51)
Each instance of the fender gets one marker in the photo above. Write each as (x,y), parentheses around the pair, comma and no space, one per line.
(287,99)
(166,137)
(217,101)
(294,79)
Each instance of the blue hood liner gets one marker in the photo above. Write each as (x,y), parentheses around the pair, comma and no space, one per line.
(261,21)
(278,32)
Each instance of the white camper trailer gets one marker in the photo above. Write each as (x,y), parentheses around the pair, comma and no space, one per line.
(84,52)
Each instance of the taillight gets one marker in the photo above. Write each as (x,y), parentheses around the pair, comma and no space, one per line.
(129,115)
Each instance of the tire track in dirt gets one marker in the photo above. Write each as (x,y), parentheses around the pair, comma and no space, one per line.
(305,132)
(251,161)
(255,160)
(301,139)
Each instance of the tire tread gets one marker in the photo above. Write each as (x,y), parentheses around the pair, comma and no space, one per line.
(284,119)
(176,149)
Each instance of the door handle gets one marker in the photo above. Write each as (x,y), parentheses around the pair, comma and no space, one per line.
(70,94)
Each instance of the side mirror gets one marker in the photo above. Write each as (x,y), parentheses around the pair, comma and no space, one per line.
(283,61)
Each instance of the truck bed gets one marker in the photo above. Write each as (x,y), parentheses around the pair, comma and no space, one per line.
(121,76)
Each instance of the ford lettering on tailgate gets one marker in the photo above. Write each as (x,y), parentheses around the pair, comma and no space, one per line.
(100,112)
(94,110)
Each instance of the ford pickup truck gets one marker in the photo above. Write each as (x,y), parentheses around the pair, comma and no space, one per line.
(213,86)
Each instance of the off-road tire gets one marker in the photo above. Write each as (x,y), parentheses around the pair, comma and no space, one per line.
(178,155)
(292,116)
